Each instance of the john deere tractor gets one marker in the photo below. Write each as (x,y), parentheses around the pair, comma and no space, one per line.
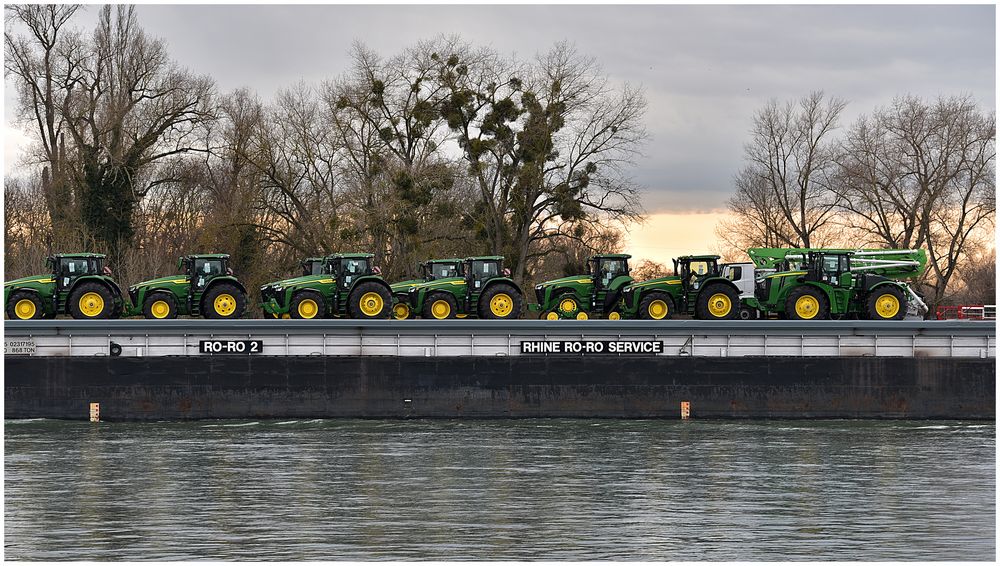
(79,285)
(483,289)
(430,270)
(349,286)
(814,284)
(595,295)
(205,287)
(697,287)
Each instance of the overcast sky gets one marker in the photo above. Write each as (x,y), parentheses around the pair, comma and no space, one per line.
(705,69)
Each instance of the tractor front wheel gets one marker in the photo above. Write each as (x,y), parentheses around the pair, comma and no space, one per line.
(656,306)
(807,303)
(91,300)
(440,306)
(369,300)
(401,311)
(159,305)
(307,304)
(500,301)
(567,306)
(224,300)
(24,306)
(886,303)
(717,302)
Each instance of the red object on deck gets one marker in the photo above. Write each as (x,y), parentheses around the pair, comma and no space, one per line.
(966,312)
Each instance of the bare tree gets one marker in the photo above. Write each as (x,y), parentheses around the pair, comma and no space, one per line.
(787,183)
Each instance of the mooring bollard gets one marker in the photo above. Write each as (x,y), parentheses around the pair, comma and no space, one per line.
(95,412)
(685,410)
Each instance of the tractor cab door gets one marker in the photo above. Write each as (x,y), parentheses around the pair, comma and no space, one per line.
(828,268)
(351,269)
(204,270)
(695,271)
(481,271)
(69,269)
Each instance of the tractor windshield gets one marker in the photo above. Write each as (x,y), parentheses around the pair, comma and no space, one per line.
(312,267)
(443,270)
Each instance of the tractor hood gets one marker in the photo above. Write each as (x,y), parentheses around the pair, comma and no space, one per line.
(440,283)
(300,281)
(578,279)
(29,279)
(668,280)
(168,280)
(402,286)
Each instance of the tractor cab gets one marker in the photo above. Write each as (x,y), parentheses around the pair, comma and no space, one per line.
(606,268)
(68,268)
(441,269)
(479,270)
(202,269)
(830,268)
(348,268)
(314,266)
(693,270)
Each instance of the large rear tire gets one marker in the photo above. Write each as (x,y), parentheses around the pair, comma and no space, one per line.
(223,301)
(307,305)
(887,302)
(439,306)
(369,300)
(717,301)
(807,303)
(23,305)
(159,305)
(656,306)
(91,300)
(501,301)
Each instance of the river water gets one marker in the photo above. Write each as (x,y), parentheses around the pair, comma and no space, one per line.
(513,489)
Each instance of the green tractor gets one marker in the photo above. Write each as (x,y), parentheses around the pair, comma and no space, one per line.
(79,285)
(349,286)
(205,287)
(815,284)
(483,289)
(596,294)
(430,270)
(697,287)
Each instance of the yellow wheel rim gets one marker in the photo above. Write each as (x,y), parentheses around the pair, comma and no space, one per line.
(806,307)
(91,304)
(552,316)
(440,309)
(225,304)
(887,305)
(567,305)
(159,309)
(501,304)
(371,304)
(25,309)
(615,316)
(719,305)
(581,316)
(401,311)
(657,309)
(308,308)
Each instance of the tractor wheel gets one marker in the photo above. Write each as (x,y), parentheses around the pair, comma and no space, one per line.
(567,306)
(159,305)
(223,300)
(500,301)
(807,303)
(717,302)
(614,315)
(307,304)
(440,306)
(656,306)
(401,311)
(369,300)
(551,315)
(747,313)
(91,300)
(886,303)
(24,306)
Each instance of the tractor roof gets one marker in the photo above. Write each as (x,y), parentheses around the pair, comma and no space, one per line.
(313,259)
(208,256)
(698,257)
(340,255)
(446,260)
(81,254)
(485,257)
(610,256)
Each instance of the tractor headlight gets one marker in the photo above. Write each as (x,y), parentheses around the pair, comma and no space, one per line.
(279,289)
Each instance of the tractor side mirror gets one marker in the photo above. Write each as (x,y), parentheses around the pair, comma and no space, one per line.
(180,263)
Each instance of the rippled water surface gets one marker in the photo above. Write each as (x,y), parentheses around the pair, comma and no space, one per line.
(513,489)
